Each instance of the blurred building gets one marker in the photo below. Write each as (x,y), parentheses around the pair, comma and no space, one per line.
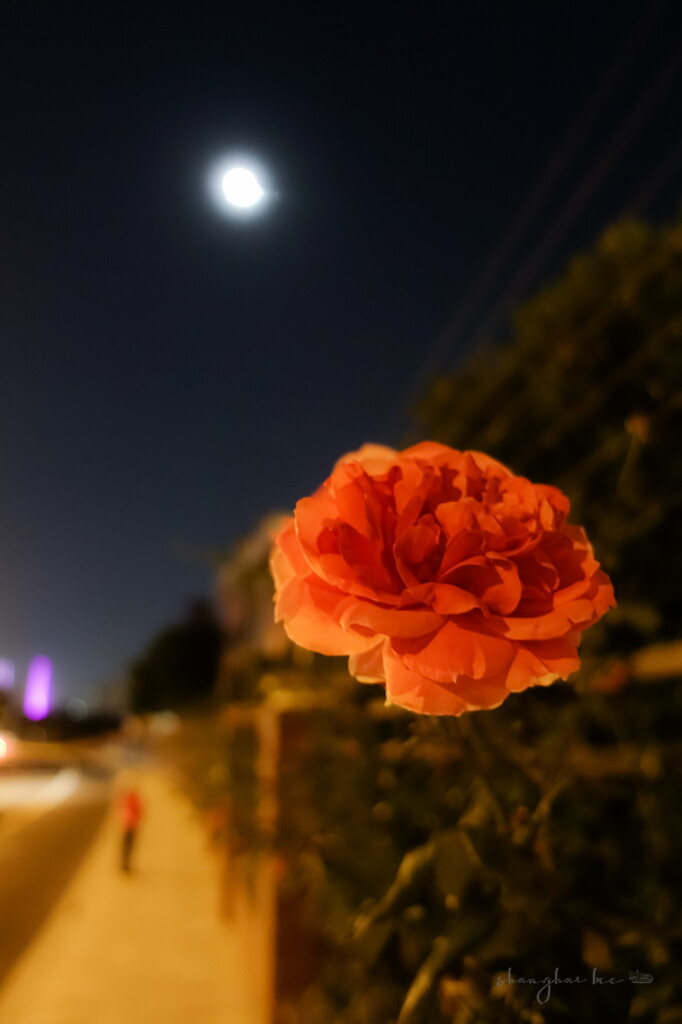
(256,644)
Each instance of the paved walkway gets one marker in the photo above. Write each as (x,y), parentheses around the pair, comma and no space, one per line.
(149,948)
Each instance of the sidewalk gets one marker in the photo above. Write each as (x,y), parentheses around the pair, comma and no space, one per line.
(138,949)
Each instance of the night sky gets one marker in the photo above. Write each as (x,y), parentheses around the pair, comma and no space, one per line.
(168,374)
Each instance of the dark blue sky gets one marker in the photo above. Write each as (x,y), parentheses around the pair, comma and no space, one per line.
(168,375)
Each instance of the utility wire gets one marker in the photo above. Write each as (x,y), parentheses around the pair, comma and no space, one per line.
(598,319)
(657,181)
(643,197)
(535,199)
(542,189)
(585,190)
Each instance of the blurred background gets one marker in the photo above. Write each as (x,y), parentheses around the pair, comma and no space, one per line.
(466,228)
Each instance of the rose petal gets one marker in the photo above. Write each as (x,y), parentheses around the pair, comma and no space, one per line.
(455,650)
(415,548)
(405,622)
(574,615)
(494,580)
(482,693)
(416,692)
(375,459)
(368,667)
(355,503)
(286,543)
(443,598)
(310,611)
(339,554)
(433,453)
(490,466)
(527,670)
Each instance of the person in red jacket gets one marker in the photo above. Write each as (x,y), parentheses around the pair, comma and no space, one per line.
(130,813)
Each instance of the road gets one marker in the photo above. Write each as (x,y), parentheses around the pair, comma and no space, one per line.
(49,813)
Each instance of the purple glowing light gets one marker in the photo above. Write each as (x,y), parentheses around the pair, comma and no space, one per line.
(38,691)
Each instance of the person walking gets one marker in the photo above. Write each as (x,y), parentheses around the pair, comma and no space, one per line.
(130,813)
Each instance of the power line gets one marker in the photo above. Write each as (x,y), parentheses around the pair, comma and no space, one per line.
(642,198)
(657,180)
(536,197)
(589,184)
(541,189)
(598,319)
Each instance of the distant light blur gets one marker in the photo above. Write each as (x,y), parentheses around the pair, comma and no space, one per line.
(38,692)
(164,723)
(8,745)
(77,709)
(6,674)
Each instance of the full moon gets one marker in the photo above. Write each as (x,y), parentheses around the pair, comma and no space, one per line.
(241,188)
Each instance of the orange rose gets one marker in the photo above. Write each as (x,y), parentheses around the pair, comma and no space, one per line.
(441,574)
